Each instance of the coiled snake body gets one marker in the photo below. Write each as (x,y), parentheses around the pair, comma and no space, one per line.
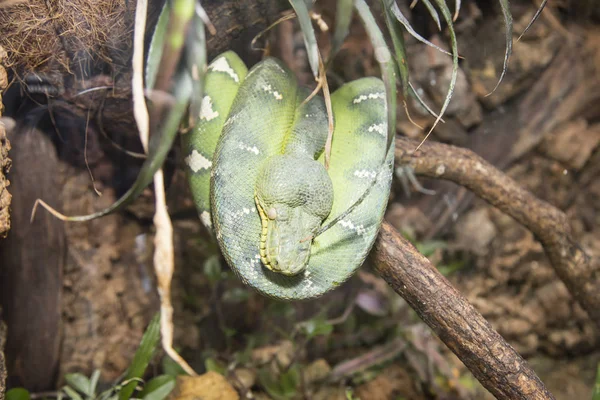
(255,163)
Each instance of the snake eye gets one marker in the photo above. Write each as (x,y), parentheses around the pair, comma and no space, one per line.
(272,213)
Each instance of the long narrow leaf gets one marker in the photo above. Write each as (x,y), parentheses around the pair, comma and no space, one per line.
(399,47)
(508,21)
(343,17)
(416,95)
(384,57)
(156,46)
(595,394)
(142,357)
(448,18)
(457,4)
(433,13)
(195,54)
(404,21)
(309,34)
(535,17)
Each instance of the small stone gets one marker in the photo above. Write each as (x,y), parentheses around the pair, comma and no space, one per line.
(209,386)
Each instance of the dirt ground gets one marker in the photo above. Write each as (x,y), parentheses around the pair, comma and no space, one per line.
(542,127)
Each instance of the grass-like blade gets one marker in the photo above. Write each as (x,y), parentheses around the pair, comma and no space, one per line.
(195,56)
(433,12)
(404,21)
(416,95)
(448,18)
(142,357)
(384,58)
(156,46)
(457,4)
(535,17)
(398,43)
(508,29)
(596,394)
(343,17)
(309,34)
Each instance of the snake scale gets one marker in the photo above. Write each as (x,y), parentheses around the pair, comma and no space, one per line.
(255,166)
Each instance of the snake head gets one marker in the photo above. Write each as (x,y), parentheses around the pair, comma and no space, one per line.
(293,196)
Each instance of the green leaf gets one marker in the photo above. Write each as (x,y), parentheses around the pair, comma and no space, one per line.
(171,368)
(309,34)
(282,387)
(383,56)
(595,395)
(404,21)
(343,17)
(317,326)
(79,382)
(399,47)
(429,247)
(17,394)
(158,388)
(157,45)
(195,50)
(433,13)
(448,18)
(94,381)
(213,365)
(451,268)
(509,42)
(142,357)
(236,295)
(212,269)
(72,394)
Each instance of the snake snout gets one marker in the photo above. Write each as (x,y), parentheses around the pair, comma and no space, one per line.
(293,195)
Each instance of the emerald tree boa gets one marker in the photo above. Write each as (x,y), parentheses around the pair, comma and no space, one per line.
(255,166)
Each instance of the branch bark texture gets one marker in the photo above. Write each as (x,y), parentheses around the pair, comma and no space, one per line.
(579,272)
(498,367)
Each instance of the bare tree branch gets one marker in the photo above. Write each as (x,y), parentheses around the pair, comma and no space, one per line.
(574,267)
(498,367)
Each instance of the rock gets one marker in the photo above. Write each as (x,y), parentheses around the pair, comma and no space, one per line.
(280,354)
(316,371)
(209,386)
(572,143)
(243,378)
(475,231)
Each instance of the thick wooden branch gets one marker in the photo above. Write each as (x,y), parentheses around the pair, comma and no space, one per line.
(574,267)
(494,362)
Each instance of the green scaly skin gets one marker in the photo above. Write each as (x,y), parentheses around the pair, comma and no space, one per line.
(257,150)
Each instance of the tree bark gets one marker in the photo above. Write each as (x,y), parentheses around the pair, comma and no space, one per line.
(498,367)
(579,272)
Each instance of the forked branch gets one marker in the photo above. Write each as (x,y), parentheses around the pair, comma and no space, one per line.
(579,272)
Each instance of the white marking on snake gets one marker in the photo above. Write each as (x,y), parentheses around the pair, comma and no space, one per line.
(269,89)
(370,96)
(206,109)
(379,128)
(205,218)
(252,149)
(231,119)
(365,173)
(221,65)
(359,229)
(197,161)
